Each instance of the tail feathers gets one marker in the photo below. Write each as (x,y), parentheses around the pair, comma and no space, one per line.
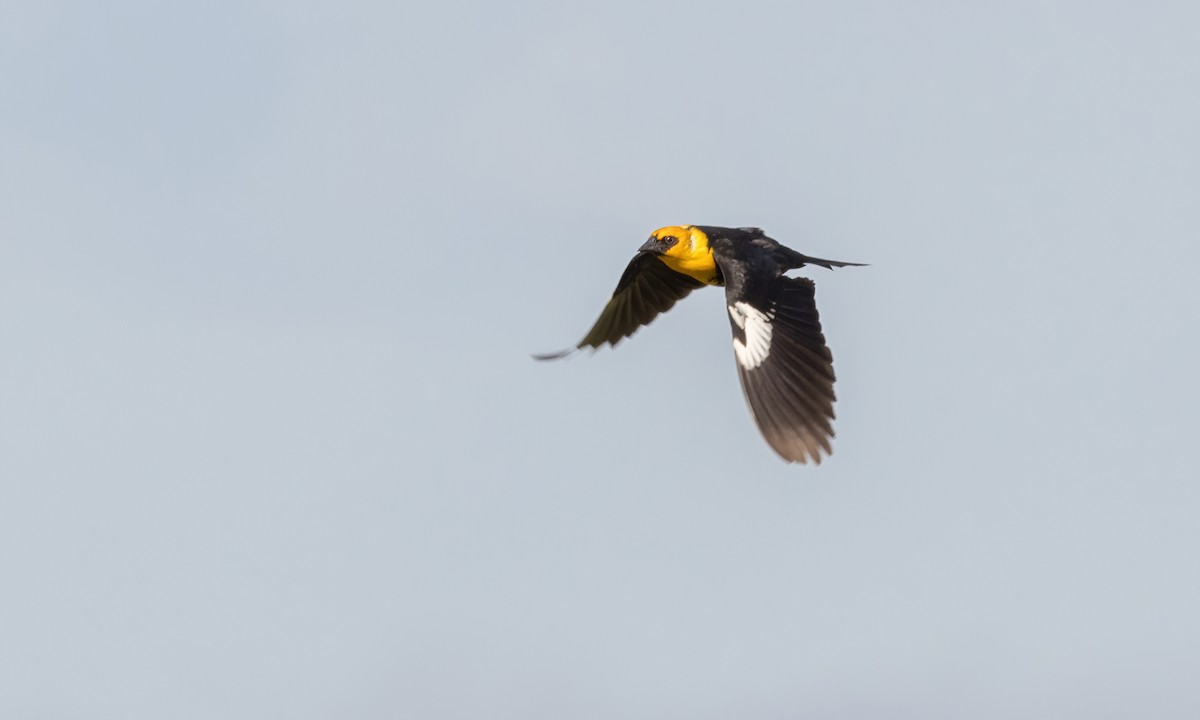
(831,264)
(796,260)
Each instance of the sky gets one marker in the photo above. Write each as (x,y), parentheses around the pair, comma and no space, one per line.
(272,443)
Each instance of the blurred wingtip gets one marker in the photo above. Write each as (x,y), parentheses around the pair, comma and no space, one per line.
(555,355)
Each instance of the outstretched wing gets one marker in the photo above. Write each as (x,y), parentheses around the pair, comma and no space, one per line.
(647,289)
(784,365)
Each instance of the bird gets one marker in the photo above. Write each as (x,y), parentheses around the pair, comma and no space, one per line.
(785,367)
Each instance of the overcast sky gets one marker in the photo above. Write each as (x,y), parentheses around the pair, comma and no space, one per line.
(272,444)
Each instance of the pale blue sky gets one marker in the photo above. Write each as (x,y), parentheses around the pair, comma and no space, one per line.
(272,445)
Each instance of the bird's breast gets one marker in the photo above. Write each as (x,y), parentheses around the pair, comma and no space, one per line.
(700,266)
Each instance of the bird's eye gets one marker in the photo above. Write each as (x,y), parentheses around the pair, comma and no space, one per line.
(668,240)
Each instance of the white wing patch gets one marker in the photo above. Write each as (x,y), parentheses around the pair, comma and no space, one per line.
(757,326)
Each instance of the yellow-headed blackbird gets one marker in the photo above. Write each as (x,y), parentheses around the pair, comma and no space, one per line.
(785,367)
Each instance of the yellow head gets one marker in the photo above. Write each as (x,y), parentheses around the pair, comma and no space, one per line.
(684,249)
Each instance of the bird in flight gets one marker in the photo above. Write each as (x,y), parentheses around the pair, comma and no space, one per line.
(784,365)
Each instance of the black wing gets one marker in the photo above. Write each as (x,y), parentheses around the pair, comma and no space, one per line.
(647,289)
(784,365)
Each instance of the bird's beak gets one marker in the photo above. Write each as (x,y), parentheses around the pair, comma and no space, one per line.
(651,247)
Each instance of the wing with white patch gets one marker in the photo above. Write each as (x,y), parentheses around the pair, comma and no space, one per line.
(785,367)
(647,289)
